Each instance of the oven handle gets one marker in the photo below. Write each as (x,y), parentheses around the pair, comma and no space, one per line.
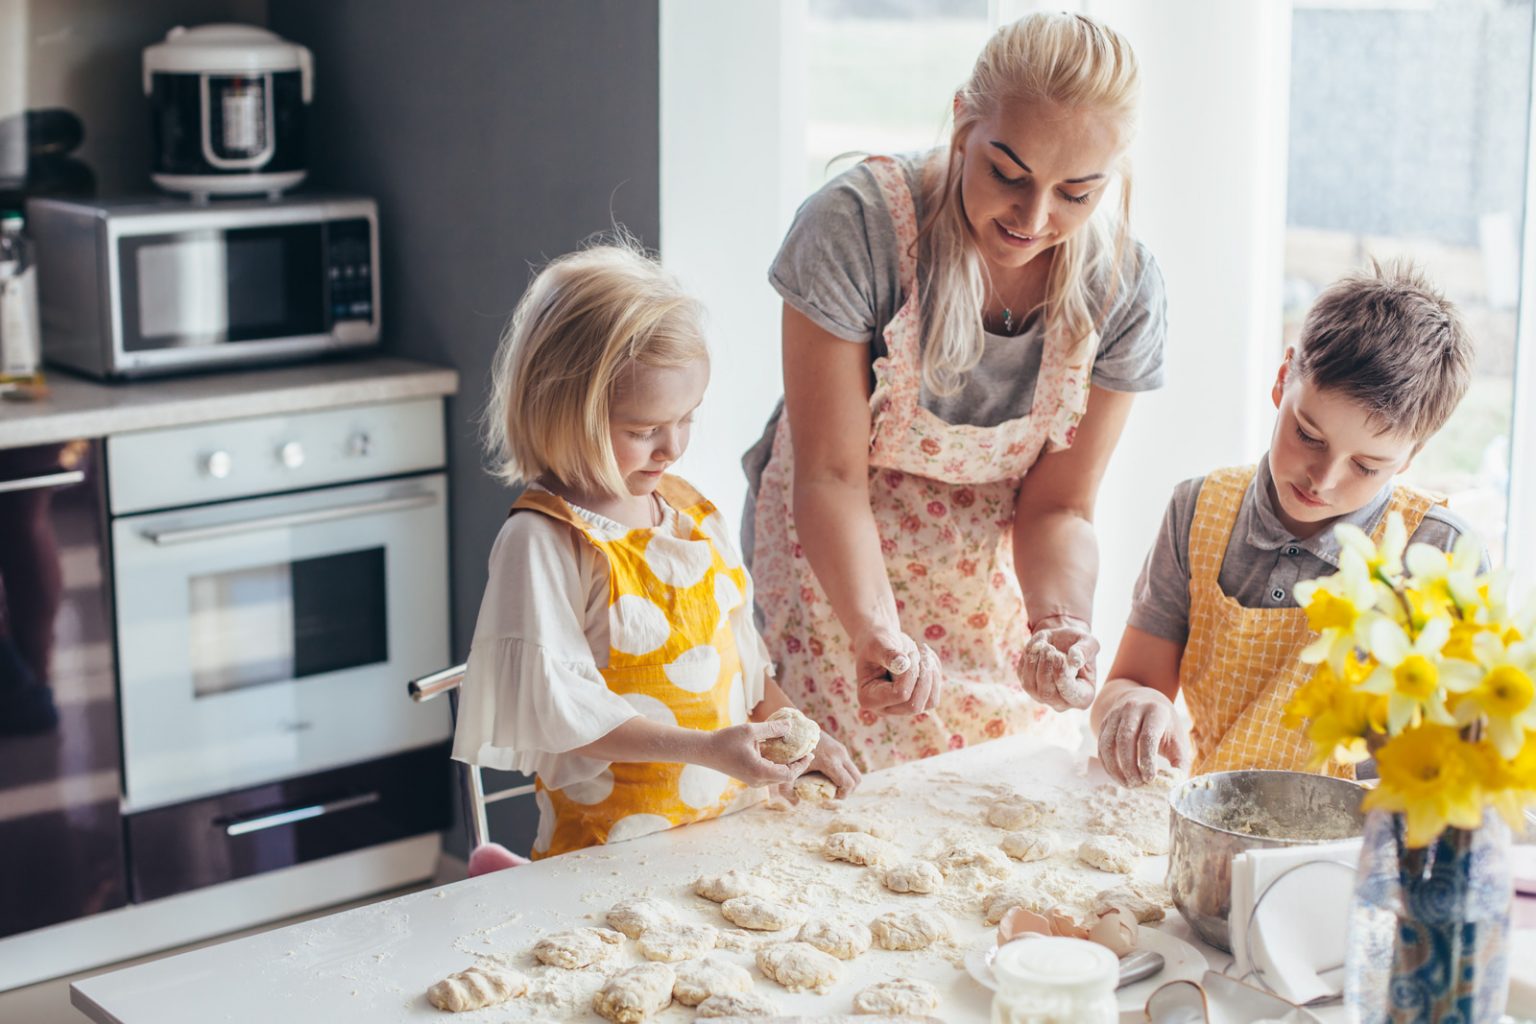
(37,483)
(189,534)
(266,821)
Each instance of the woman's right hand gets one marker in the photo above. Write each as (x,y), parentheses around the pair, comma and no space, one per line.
(735,750)
(896,675)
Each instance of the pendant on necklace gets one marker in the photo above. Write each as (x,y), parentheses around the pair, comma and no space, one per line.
(1007,320)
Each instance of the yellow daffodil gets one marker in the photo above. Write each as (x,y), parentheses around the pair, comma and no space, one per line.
(1432,777)
(1408,672)
(1338,717)
(1339,608)
(1503,693)
(1384,562)
(1441,581)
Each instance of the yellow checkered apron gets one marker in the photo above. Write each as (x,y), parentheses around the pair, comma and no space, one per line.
(672,655)
(1241,665)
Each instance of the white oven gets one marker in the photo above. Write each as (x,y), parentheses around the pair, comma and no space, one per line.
(267,608)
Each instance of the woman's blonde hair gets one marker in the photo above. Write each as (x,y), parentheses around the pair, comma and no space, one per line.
(585,319)
(1067,59)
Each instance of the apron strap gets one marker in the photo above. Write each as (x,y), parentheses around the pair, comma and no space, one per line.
(1215,515)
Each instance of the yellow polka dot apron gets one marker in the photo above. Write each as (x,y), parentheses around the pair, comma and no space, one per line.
(943,498)
(1241,665)
(672,655)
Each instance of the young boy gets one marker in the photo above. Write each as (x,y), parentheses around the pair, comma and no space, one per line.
(1382,361)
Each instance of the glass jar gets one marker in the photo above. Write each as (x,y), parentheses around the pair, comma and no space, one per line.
(1055,981)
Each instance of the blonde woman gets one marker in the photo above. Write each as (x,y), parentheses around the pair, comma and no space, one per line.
(964,331)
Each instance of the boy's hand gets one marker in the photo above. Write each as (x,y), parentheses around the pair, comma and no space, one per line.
(1141,725)
(735,751)
(832,759)
(1060,663)
(896,676)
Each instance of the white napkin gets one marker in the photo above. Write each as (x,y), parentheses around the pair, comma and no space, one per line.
(1290,913)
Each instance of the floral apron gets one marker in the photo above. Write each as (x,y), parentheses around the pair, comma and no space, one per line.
(672,654)
(1241,665)
(943,498)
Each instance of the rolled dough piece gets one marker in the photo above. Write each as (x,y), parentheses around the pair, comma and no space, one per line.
(909,929)
(759,914)
(798,966)
(1108,853)
(577,948)
(733,883)
(670,943)
(639,914)
(635,993)
(857,848)
(799,741)
(842,936)
(899,995)
(476,988)
(698,980)
(1018,812)
(913,876)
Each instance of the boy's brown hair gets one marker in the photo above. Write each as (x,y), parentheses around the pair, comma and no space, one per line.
(1390,340)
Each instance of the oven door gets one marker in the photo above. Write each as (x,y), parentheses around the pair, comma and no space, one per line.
(270,638)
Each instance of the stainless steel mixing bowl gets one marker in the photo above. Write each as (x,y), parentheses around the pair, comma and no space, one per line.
(1207,832)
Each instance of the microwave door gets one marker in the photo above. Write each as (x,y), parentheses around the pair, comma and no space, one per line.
(204,294)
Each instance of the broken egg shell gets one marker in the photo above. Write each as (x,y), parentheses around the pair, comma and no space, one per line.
(1115,929)
(1019,922)
(1066,924)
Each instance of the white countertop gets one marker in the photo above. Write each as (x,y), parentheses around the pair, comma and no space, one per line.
(375,963)
(80,408)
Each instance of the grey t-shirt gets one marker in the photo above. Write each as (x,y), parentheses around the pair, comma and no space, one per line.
(1263,563)
(839,266)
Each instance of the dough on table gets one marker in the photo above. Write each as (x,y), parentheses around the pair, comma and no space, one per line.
(799,741)
(697,980)
(798,966)
(1028,846)
(909,929)
(677,941)
(577,948)
(759,914)
(635,993)
(736,939)
(638,914)
(476,988)
(815,788)
(1108,853)
(1147,907)
(1018,812)
(913,876)
(899,995)
(733,883)
(966,853)
(859,823)
(737,1004)
(857,848)
(842,936)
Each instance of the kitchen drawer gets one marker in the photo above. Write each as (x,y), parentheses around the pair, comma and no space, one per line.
(203,842)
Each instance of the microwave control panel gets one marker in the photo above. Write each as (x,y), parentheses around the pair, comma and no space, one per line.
(349,269)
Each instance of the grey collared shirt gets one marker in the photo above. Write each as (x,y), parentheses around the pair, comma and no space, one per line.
(1263,563)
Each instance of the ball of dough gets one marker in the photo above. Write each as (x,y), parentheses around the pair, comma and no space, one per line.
(799,741)
(859,823)
(815,788)
(1028,846)
(1018,812)
(798,966)
(841,936)
(986,859)
(577,948)
(476,988)
(638,914)
(909,929)
(744,1004)
(733,883)
(635,993)
(698,980)
(913,876)
(678,941)
(759,914)
(897,996)
(857,848)
(1108,853)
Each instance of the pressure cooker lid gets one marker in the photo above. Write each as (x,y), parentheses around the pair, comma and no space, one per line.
(225,49)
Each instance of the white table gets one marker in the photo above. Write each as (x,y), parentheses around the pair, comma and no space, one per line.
(375,963)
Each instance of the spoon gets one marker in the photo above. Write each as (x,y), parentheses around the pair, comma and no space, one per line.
(1143,963)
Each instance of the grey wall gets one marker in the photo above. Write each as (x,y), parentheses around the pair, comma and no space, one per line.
(495,134)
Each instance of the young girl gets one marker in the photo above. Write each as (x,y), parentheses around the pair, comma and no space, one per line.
(615,655)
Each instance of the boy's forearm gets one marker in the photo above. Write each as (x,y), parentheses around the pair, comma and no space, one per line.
(1056,557)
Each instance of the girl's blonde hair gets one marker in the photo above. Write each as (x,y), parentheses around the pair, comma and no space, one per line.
(583,321)
(1067,59)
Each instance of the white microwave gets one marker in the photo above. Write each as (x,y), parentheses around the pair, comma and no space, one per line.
(135,287)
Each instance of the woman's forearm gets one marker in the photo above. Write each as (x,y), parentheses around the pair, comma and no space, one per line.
(1056,556)
(842,545)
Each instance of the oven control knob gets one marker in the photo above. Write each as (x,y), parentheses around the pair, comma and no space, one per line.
(218,464)
(291,455)
(361,444)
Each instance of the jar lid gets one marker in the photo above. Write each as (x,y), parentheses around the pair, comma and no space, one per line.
(1059,964)
(224,47)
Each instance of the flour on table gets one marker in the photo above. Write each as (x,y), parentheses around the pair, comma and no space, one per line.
(1108,853)
(737,940)
(899,995)
(1018,812)
(759,914)
(476,988)
(909,929)
(840,935)
(1137,815)
(733,883)
(916,876)
(858,848)
(859,823)
(697,980)
(677,941)
(1030,846)
(638,914)
(743,1004)
(798,966)
(635,993)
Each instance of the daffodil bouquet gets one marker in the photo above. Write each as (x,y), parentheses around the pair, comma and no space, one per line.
(1421,661)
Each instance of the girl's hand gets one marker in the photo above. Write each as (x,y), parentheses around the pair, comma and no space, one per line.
(735,751)
(896,676)
(832,759)
(1060,663)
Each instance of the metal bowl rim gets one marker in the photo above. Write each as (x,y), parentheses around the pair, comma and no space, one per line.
(1187,784)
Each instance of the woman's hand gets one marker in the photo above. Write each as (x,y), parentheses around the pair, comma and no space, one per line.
(1060,663)
(832,759)
(735,750)
(896,676)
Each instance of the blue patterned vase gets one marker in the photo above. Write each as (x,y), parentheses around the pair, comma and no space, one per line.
(1429,928)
